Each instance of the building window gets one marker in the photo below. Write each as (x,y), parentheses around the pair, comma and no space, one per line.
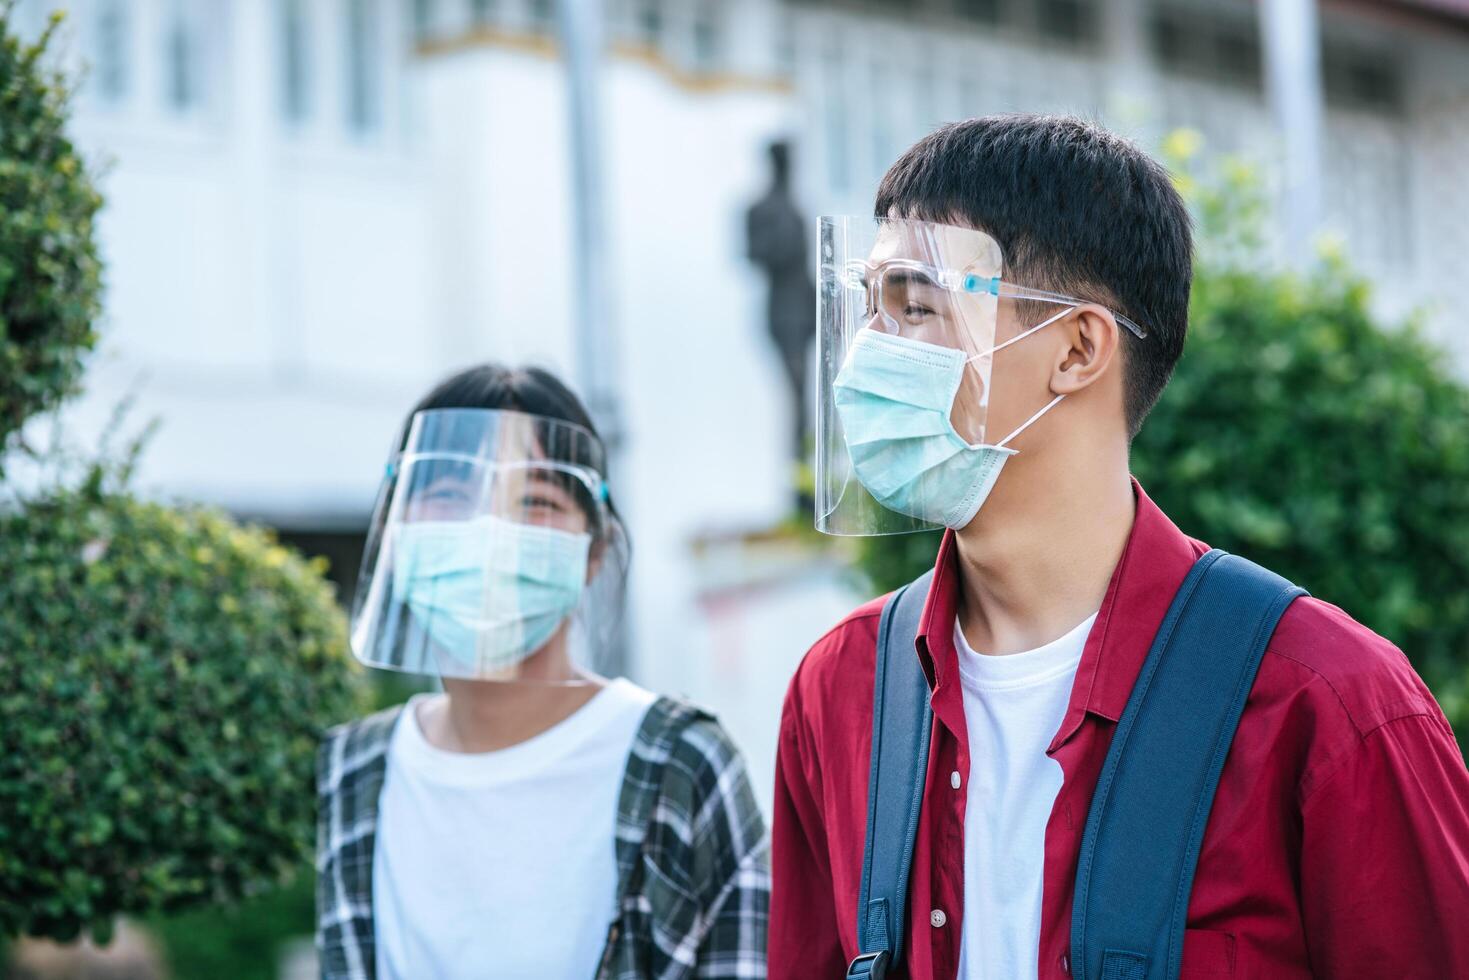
(980,11)
(181,58)
(295,69)
(1221,48)
(363,66)
(785,48)
(707,38)
(648,22)
(1170,40)
(180,71)
(423,19)
(1071,21)
(879,118)
(543,14)
(1361,79)
(112,62)
(836,149)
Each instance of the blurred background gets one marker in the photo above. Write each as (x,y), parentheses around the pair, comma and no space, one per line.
(317,208)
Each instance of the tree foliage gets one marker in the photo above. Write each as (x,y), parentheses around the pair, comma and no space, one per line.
(165,677)
(50,276)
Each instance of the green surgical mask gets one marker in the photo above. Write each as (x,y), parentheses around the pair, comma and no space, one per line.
(490,592)
(894,396)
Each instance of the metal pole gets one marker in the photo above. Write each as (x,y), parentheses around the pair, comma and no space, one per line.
(1130,95)
(594,332)
(581,38)
(1291,37)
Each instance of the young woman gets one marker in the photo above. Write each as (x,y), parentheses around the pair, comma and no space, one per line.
(536,819)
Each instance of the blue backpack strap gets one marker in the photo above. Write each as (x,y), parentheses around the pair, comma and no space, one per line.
(901,723)
(1152,800)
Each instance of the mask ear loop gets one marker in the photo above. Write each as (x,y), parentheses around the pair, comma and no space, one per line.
(1019,337)
(1028,423)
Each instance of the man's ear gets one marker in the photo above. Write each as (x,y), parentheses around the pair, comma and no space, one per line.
(1090,336)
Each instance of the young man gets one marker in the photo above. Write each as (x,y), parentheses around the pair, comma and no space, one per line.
(988,361)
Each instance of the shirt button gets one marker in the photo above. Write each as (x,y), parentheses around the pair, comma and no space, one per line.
(954,779)
(937,918)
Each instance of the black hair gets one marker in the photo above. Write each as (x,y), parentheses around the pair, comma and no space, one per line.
(532,390)
(1075,210)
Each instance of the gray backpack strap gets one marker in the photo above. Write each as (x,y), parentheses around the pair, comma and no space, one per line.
(1153,797)
(352,765)
(642,780)
(901,723)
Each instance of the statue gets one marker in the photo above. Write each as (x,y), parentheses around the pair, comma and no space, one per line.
(776,235)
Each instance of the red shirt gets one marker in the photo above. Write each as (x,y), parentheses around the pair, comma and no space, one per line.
(1338,845)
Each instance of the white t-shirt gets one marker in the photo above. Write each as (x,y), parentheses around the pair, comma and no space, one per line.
(501,864)
(1013,706)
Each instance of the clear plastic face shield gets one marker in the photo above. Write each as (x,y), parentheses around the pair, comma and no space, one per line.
(493,554)
(909,315)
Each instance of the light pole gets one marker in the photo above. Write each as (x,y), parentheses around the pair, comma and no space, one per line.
(594,332)
(1291,36)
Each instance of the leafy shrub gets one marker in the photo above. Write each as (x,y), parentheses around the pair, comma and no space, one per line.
(50,277)
(893,559)
(164,677)
(239,942)
(1303,436)
(246,941)
(1300,433)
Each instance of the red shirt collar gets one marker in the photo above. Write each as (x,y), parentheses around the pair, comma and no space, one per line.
(1154,563)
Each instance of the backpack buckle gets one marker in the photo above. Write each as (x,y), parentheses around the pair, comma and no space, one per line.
(869,966)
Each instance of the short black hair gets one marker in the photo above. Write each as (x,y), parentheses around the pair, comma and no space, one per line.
(532,390)
(1076,210)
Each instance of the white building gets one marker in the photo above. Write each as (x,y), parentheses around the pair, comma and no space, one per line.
(316,208)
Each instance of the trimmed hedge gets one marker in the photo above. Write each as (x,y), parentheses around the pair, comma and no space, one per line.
(165,677)
(50,276)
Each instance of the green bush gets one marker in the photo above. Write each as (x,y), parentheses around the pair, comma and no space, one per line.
(239,942)
(1300,433)
(894,559)
(165,677)
(50,277)
(246,941)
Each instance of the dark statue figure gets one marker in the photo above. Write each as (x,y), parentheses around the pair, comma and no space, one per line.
(777,236)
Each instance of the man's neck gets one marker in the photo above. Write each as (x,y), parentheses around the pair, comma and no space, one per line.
(1038,557)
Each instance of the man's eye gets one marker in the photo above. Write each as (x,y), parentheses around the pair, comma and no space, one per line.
(913,310)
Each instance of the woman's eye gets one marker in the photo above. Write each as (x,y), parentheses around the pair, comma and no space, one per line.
(532,502)
(915,310)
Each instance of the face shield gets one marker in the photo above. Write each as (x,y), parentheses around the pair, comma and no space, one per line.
(908,313)
(493,554)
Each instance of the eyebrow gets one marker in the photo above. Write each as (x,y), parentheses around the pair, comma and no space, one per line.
(551,480)
(905,277)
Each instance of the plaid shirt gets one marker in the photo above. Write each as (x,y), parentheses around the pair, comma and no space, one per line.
(692,853)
